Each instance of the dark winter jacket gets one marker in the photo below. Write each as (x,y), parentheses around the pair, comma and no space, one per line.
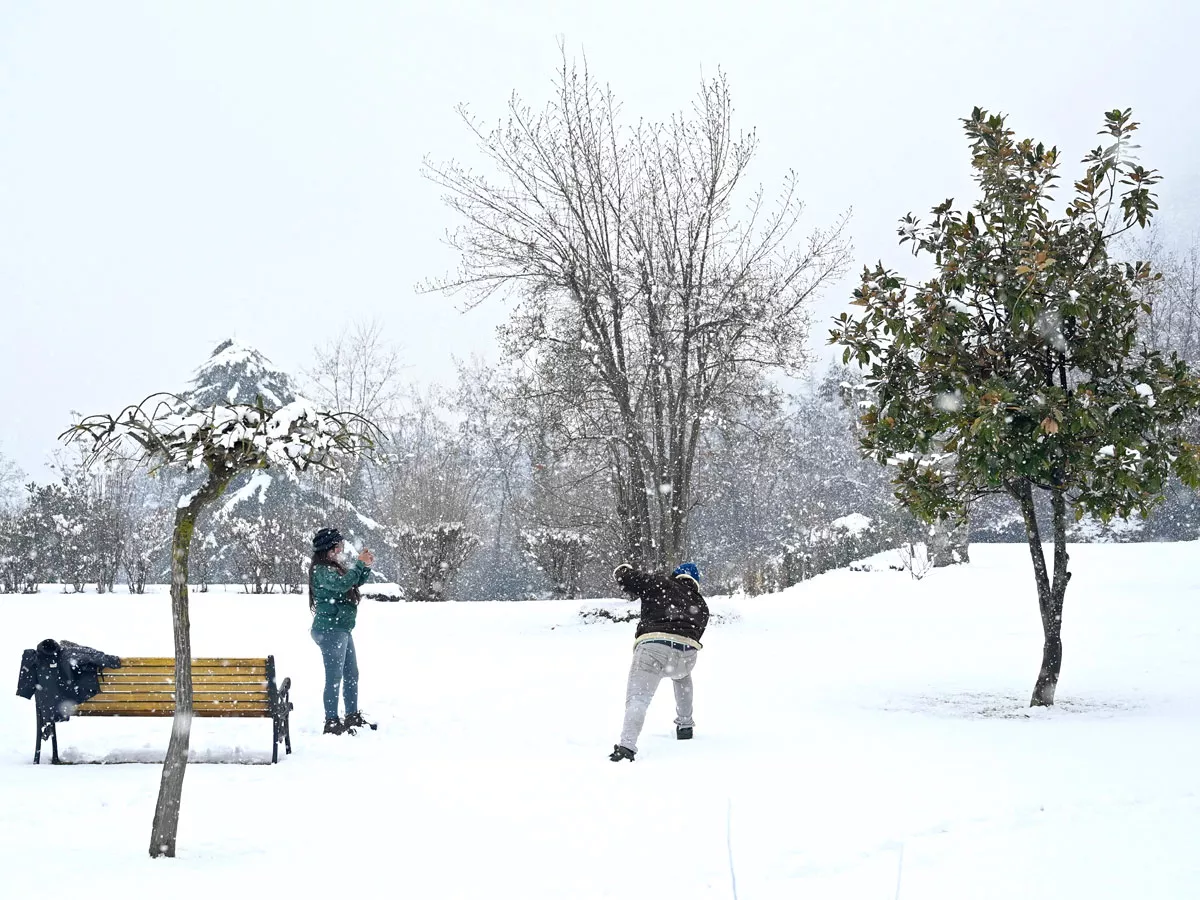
(670,606)
(335,596)
(61,675)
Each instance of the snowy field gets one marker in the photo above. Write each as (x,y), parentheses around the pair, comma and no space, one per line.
(858,727)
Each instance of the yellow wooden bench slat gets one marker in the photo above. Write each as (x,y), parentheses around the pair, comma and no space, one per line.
(211,671)
(164,709)
(125,687)
(128,661)
(169,697)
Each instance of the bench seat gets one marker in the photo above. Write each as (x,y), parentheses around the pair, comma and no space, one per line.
(221,688)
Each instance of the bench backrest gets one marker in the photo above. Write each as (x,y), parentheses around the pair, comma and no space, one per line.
(145,686)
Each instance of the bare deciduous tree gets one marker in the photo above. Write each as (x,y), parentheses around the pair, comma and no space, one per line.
(427,474)
(10,483)
(642,299)
(1173,319)
(357,371)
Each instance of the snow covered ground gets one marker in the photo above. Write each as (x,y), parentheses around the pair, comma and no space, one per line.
(858,726)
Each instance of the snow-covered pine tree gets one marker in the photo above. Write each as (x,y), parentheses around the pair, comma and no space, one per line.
(262,526)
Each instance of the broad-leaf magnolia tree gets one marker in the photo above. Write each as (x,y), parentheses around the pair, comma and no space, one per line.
(1016,367)
(219,441)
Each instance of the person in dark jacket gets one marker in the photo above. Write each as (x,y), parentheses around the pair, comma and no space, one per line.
(666,645)
(333,601)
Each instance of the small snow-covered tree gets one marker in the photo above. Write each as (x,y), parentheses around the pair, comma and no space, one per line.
(560,555)
(219,441)
(30,549)
(1016,367)
(264,547)
(148,535)
(10,484)
(20,559)
(434,555)
(66,508)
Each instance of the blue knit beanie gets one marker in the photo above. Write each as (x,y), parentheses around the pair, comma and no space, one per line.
(687,570)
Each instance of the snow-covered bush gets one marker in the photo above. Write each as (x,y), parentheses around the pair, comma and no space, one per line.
(434,555)
(560,554)
(833,546)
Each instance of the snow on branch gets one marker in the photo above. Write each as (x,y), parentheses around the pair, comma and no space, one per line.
(165,430)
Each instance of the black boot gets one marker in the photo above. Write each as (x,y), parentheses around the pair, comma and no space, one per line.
(683,732)
(334,726)
(619,753)
(356,720)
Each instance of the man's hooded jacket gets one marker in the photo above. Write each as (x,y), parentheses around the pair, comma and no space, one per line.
(671,607)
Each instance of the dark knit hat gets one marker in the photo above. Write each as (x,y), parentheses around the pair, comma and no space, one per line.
(326,539)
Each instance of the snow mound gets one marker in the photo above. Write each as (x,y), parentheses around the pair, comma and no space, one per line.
(598,611)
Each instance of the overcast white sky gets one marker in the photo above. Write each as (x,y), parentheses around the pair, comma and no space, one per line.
(175,173)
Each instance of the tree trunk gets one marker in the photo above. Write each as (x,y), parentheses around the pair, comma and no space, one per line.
(1050,592)
(1051,611)
(170,789)
(949,544)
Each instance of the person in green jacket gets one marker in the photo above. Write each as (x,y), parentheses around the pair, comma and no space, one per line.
(333,601)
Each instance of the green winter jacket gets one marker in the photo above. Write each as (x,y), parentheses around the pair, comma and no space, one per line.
(335,610)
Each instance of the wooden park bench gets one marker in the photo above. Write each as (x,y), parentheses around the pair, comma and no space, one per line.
(221,688)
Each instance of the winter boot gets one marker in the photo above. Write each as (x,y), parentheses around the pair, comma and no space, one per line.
(683,732)
(619,753)
(356,720)
(334,726)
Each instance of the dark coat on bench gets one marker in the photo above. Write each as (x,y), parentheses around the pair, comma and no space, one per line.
(60,675)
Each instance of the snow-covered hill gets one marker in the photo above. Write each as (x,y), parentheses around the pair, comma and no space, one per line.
(859,727)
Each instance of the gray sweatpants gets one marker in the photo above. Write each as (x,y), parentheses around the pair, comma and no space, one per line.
(651,664)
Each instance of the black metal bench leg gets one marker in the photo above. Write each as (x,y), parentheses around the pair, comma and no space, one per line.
(37,748)
(284,711)
(274,739)
(54,743)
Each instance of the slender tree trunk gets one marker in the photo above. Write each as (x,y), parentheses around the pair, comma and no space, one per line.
(639,529)
(949,544)
(170,789)
(1051,608)
(1050,592)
